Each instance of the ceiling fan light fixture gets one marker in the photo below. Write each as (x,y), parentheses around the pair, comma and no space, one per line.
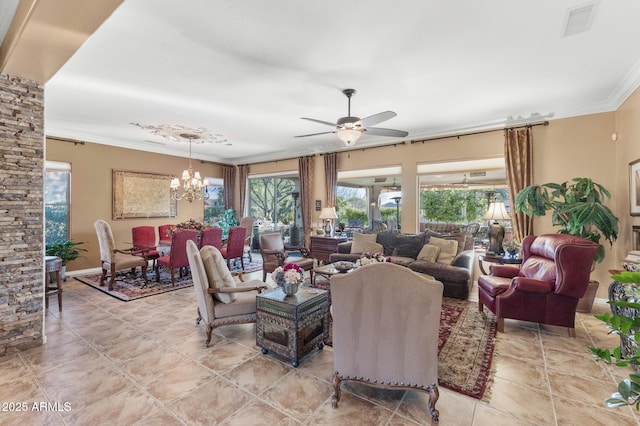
(349,136)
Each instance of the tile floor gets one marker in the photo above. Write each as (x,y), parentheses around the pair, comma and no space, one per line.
(144,363)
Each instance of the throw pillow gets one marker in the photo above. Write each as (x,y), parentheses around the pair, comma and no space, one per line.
(461,238)
(429,253)
(362,242)
(407,245)
(386,239)
(448,249)
(218,274)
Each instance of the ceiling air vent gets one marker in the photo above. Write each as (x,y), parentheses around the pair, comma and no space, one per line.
(380,179)
(579,19)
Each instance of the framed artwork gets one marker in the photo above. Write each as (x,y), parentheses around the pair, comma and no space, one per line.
(634,187)
(139,195)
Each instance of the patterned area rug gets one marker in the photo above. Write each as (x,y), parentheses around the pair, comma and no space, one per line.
(129,287)
(466,341)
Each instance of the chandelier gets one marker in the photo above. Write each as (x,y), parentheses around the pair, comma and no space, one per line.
(194,187)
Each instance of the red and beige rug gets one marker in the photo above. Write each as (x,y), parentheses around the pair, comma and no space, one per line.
(466,340)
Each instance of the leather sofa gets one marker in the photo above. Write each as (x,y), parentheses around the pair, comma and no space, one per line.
(403,249)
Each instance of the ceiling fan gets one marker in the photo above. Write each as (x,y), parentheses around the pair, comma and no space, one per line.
(349,129)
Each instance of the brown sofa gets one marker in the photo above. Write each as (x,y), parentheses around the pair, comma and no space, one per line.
(403,250)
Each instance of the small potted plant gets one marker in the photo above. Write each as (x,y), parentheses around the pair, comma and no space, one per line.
(67,251)
(625,322)
(512,247)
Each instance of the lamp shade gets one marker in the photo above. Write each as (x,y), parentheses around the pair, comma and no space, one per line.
(496,211)
(328,213)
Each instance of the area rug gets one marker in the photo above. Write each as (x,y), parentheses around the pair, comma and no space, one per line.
(466,340)
(128,287)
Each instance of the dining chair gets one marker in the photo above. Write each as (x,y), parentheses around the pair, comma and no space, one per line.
(211,237)
(234,248)
(164,237)
(144,239)
(113,259)
(274,254)
(247,223)
(177,257)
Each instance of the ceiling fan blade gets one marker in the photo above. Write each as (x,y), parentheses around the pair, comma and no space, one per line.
(312,134)
(374,119)
(319,121)
(379,131)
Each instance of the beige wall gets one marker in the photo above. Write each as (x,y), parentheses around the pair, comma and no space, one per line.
(91,194)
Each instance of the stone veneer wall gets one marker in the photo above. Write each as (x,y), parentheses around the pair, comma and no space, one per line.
(21,214)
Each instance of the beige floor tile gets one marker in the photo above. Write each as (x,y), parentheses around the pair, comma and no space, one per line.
(19,390)
(570,412)
(580,388)
(515,370)
(152,363)
(583,365)
(183,378)
(12,367)
(259,413)
(387,398)
(319,364)
(488,416)
(455,409)
(522,402)
(527,351)
(298,395)
(210,403)
(351,410)
(31,417)
(258,373)
(223,358)
(44,358)
(123,408)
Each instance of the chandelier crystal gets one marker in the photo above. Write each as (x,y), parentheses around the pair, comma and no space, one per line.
(194,187)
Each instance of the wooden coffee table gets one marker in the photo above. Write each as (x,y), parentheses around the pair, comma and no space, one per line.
(326,271)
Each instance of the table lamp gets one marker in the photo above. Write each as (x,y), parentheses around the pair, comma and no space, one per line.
(328,214)
(496,211)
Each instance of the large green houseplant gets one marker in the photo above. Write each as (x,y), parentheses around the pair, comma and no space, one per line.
(625,323)
(577,206)
(67,251)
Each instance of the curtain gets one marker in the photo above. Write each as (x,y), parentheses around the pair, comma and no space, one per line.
(518,158)
(305,174)
(243,172)
(229,178)
(331,178)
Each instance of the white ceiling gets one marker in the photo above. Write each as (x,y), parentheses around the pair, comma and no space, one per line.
(248,70)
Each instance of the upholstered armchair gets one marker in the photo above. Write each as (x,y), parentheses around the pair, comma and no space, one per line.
(385,329)
(247,223)
(164,236)
(177,257)
(554,275)
(274,254)
(220,300)
(113,259)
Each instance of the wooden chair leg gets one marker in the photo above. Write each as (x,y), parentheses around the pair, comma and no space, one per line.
(113,277)
(500,325)
(572,332)
(480,306)
(173,277)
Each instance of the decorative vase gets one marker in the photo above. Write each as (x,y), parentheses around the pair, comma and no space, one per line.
(290,288)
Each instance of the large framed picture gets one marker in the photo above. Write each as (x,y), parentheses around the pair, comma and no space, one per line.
(142,195)
(634,187)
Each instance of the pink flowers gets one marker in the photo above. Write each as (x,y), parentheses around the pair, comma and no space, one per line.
(291,273)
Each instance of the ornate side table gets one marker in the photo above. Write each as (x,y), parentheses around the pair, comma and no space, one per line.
(292,326)
(501,260)
(616,292)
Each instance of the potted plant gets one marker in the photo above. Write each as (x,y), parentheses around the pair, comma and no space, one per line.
(624,322)
(67,251)
(578,207)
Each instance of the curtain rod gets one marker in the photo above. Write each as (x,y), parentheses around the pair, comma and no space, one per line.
(480,132)
(275,161)
(364,148)
(73,141)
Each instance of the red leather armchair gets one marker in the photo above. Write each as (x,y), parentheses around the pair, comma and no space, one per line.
(546,288)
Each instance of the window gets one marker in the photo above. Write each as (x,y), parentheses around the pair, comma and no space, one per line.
(214,206)
(273,202)
(352,206)
(57,177)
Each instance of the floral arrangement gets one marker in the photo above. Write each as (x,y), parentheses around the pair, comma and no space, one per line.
(291,273)
(369,257)
(189,224)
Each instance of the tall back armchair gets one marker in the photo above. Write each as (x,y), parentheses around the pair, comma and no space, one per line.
(211,237)
(247,223)
(274,254)
(144,238)
(234,248)
(177,257)
(385,329)
(113,259)
(164,237)
(554,275)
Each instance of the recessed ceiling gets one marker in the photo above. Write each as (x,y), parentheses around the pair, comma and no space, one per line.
(248,70)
